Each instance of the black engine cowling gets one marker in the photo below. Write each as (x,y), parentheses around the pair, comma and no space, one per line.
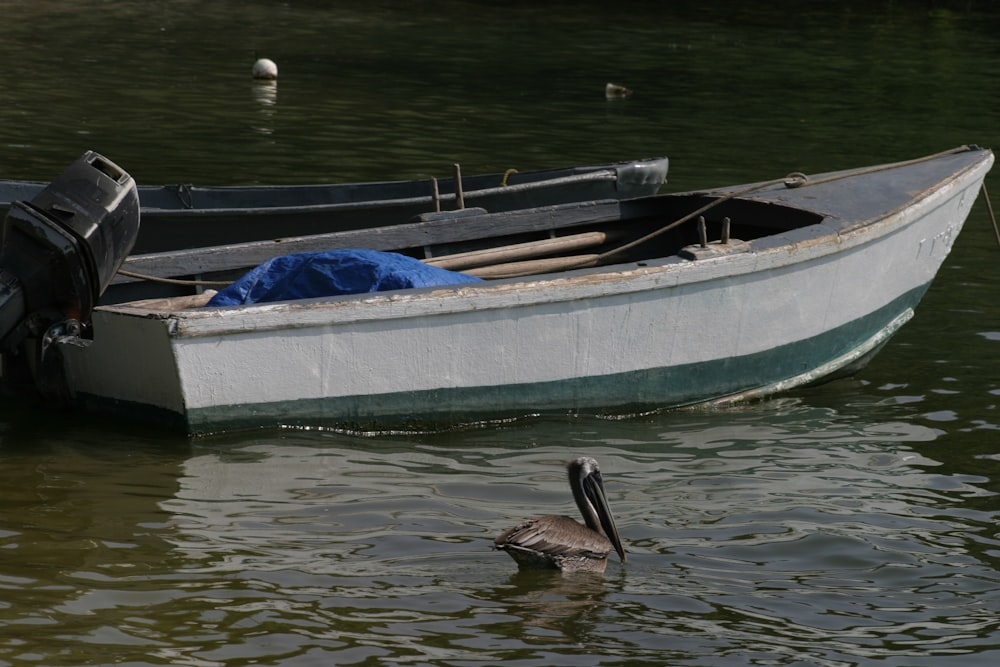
(60,251)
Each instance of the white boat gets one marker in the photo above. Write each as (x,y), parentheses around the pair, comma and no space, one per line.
(812,277)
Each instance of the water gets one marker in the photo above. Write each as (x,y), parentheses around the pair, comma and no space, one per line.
(849,524)
(779,534)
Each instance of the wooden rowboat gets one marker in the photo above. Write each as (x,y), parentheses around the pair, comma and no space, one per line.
(188,216)
(785,283)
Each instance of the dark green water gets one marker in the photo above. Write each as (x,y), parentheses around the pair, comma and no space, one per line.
(850,524)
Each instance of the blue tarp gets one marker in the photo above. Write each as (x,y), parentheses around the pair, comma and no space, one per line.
(313,274)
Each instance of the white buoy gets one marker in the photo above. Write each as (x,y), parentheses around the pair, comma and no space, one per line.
(265,68)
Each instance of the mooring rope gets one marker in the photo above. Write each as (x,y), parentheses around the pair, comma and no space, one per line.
(993,218)
(175,281)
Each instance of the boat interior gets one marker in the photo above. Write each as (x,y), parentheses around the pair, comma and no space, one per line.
(681,228)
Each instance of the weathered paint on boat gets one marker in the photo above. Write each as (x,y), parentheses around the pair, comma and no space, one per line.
(188,216)
(776,312)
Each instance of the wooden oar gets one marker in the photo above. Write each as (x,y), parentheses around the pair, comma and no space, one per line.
(493,256)
(533,266)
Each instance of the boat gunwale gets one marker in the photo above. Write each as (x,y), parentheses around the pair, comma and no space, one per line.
(534,179)
(468,195)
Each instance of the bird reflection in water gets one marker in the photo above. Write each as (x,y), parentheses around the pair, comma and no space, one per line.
(546,608)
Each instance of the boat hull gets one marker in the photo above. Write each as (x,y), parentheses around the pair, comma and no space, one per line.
(785,311)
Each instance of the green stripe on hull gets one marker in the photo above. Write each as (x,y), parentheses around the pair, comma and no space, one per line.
(746,376)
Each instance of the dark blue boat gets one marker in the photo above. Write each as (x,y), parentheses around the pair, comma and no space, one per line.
(188,216)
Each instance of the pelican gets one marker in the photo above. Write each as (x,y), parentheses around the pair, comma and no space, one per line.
(265,68)
(560,542)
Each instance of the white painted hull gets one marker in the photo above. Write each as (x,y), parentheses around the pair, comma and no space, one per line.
(613,339)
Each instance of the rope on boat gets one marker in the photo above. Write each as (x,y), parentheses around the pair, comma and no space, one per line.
(993,218)
(507,174)
(798,179)
(175,281)
(793,180)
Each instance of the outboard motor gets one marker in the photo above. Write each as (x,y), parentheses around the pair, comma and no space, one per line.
(59,252)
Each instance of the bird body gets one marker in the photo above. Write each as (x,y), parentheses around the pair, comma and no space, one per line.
(560,542)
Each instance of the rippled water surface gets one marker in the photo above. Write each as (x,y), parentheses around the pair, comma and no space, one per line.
(849,524)
(780,534)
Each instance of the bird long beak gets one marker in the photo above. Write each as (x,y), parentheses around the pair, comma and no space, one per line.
(593,488)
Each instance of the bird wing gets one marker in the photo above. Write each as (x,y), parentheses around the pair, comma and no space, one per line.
(556,536)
